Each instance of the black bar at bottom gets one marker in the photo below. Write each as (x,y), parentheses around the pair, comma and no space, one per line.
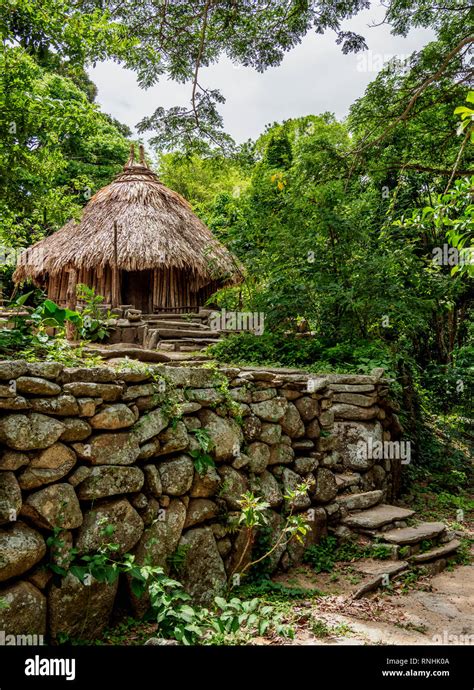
(273,666)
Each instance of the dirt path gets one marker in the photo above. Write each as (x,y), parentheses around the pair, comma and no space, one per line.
(438,611)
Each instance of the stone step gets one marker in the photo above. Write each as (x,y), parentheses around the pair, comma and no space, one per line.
(183,345)
(180,347)
(373,518)
(361,501)
(171,333)
(179,325)
(381,574)
(201,342)
(438,552)
(121,350)
(344,481)
(166,316)
(389,567)
(413,535)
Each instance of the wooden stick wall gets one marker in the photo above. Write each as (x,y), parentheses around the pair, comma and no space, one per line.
(171,288)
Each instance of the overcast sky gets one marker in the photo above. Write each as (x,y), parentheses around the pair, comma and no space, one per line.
(314,77)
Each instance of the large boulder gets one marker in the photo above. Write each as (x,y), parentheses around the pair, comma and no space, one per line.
(11,460)
(266,486)
(325,488)
(160,540)
(270,433)
(99,374)
(281,454)
(259,455)
(61,405)
(270,410)
(205,485)
(45,370)
(24,613)
(153,483)
(20,549)
(109,480)
(157,544)
(149,425)
(205,396)
(176,475)
(107,391)
(30,432)
(353,443)
(10,498)
(307,407)
(190,377)
(54,506)
(34,385)
(80,611)
(12,369)
(354,412)
(291,422)
(203,574)
(113,417)
(252,428)
(200,510)
(47,466)
(225,434)
(109,449)
(172,439)
(126,522)
(76,429)
(355,399)
(234,485)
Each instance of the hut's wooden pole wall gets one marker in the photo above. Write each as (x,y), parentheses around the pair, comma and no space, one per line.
(71,303)
(115,298)
(167,289)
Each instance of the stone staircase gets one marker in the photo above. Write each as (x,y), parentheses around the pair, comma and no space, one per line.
(410,542)
(179,332)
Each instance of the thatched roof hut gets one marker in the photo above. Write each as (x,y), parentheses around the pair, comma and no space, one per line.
(137,243)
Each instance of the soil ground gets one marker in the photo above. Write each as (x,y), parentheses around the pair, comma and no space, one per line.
(433,610)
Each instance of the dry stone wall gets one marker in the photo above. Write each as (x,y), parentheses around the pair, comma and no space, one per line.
(83,448)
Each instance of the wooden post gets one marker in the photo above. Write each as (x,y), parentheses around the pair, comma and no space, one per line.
(115,272)
(71,299)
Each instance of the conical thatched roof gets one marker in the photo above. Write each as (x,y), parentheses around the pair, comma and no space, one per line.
(156,228)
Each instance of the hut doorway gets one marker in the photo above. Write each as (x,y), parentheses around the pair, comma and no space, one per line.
(137,289)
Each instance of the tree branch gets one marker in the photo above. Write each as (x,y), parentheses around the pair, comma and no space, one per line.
(418,92)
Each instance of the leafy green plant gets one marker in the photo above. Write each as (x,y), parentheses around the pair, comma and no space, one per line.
(177,559)
(269,590)
(404,551)
(201,458)
(380,552)
(426,545)
(94,321)
(463,555)
(323,556)
(170,605)
(226,621)
(320,628)
(30,324)
(254,515)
